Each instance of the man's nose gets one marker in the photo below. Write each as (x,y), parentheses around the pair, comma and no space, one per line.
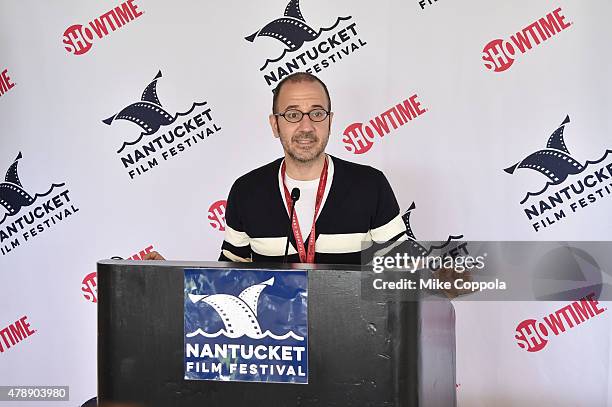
(306,124)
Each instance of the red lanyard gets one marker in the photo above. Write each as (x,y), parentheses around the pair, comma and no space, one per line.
(297,233)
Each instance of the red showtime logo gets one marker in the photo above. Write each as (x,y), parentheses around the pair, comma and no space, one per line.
(533,335)
(359,137)
(89,286)
(78,38)
(498,55)
(140,255)
(14,333)
(5,82)
(216,215)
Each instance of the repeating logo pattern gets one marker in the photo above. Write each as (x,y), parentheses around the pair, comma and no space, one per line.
(332,44)
(573,184)
(563,198)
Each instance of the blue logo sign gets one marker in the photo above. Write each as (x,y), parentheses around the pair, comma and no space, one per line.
(246,325)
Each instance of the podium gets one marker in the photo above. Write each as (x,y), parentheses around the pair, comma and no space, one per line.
(360,352)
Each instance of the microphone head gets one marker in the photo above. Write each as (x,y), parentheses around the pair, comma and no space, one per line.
(295,194)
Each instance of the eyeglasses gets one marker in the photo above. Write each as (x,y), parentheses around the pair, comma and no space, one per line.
(294,115)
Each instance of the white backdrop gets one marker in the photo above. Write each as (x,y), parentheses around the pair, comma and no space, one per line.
(449,160)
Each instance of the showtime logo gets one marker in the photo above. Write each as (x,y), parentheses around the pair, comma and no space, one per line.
(14,333)
(5,82)
(216,215)
(78,39)
(498,55)
(359,137)
(89,287)
(532,335)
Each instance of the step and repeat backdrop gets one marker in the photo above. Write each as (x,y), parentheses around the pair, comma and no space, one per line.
(124,125)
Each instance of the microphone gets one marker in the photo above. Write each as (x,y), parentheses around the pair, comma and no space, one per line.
(295,195)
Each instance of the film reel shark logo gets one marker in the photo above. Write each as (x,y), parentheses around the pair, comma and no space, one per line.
(13,196)
(291,29)
(571,185)
(27,215)
(246,325)
(416,247)
(293,32)
(148,113)
(554,161)
(169,137)
(239,314)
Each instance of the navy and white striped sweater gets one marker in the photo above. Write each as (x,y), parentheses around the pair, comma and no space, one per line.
(359,208)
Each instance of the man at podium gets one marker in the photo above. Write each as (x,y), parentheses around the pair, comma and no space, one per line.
(337,207)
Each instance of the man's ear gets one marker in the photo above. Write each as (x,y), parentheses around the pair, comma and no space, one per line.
(274,125)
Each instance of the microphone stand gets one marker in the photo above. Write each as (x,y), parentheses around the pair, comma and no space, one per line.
(295,195)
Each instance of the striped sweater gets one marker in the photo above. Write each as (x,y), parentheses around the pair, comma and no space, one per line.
(358,208)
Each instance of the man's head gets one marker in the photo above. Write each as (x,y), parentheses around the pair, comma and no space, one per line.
(303,141)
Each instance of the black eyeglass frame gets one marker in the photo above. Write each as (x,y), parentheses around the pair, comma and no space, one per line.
(327,113)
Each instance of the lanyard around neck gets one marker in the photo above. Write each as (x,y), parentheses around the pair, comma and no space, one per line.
(305,257)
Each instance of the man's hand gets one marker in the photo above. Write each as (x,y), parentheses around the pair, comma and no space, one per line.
(153,256)
(450,275)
